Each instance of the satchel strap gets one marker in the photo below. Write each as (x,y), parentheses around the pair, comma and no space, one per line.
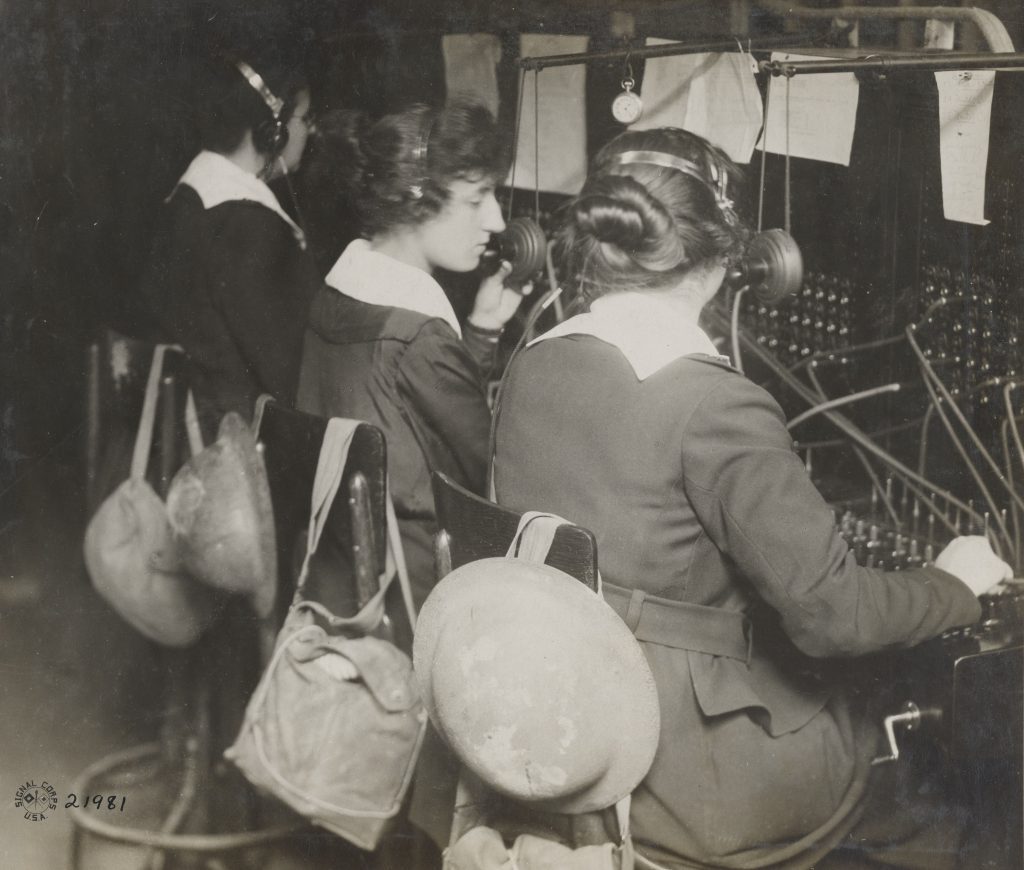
(534,536)
(330,470)
(195,434)
(144,436)
(257,414)
(396,554)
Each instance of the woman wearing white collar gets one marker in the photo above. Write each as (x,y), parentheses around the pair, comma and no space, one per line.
(228,276)
(715,546)
(383,342)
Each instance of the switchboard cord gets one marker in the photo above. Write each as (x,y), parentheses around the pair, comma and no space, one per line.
(934,383)
(844,424)
(1011,423)
(861,457)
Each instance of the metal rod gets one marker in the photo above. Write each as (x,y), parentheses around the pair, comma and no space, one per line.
(669,50)
(991,27)
(946,61)
(169,459)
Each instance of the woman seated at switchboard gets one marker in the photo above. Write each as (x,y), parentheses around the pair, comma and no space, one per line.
(383,342)
(228,277)
(709,528)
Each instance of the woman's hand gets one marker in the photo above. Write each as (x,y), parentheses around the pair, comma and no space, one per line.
(495,301)
(970,559)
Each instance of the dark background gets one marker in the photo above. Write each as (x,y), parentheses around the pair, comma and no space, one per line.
(95,128)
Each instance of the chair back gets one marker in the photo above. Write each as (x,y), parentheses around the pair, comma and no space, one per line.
(354,538)
(116,371)
(471,528)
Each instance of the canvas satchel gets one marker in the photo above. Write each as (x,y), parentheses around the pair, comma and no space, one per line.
(335,725)
(129,549)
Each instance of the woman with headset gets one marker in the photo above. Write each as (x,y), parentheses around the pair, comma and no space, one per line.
(715,546)
(229,277)
(383,343)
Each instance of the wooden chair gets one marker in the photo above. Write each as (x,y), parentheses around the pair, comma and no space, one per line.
(355,537)
(471,528)
(352,549)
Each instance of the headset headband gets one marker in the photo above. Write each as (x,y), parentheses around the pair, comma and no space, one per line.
(420,152)
(275,104)
(422,147)
(714,178)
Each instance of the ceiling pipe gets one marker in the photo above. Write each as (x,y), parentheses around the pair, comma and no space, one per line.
(991,27)
(671,49)
(874,63)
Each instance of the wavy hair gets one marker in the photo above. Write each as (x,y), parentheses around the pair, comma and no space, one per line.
(397,170)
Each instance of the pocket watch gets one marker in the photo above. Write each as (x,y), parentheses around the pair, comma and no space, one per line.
(627,107)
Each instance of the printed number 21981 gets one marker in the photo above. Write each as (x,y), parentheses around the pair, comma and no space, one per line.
(97,801)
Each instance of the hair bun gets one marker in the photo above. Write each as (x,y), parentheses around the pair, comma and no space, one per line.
(619,212)
(610,220)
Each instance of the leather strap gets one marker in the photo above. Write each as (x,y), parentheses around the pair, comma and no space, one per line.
(680,625)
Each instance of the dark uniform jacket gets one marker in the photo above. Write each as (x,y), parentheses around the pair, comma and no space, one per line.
(412,376)
(231,285)
(707,521)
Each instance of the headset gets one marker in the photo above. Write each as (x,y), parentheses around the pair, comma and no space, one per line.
(270,136)
(421,153)
(771,263)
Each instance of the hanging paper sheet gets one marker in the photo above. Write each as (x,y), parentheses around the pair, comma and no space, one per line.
(470,67)
(712,95)
(665,88)
(560,118)
(965,110)
(816,119)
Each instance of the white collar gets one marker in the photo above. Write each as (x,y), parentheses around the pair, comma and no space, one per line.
(647,331)
(370,276)
(218,180)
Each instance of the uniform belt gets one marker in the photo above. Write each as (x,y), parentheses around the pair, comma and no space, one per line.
(680,625)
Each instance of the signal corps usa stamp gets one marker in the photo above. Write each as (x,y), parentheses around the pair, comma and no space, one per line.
(36,800)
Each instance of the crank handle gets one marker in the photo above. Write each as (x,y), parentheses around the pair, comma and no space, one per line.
(910,718)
